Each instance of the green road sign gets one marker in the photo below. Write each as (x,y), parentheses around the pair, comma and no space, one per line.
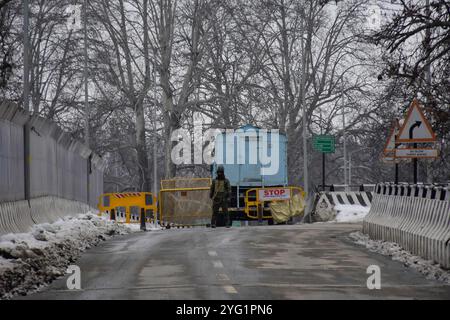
(324,143)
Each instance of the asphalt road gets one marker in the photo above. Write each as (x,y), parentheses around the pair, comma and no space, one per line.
(276,262)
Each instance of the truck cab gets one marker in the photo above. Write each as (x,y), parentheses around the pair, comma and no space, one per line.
(252,158)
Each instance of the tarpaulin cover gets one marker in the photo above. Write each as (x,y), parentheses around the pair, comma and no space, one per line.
(283,210)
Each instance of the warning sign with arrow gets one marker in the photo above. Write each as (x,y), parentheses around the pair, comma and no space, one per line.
(416,128)
(391,142)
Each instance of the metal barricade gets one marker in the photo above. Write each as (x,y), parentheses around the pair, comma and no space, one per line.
(185,202)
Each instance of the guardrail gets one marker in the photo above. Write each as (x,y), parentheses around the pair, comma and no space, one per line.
(429,191)
(346,188)
(417,217)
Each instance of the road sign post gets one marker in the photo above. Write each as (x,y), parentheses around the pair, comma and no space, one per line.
(391,146)
(324,144)
(416,129)
(396,173)
(323,171)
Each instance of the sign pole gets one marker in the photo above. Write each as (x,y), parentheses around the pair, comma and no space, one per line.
(345,145)
(323,171)
(392,145)
(415,164)
(396,145)
(396,173)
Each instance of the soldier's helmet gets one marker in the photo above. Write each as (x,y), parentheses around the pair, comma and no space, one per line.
(220,169)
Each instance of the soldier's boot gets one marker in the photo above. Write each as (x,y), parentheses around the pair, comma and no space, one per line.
(214,220)
(226,214)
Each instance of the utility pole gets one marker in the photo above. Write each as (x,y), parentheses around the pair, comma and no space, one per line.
(323,154)
(86,103)
(155,168)
(303,88)
(350,154)
(350,168)
(86,92)
(428,79)
(26,97)
(26,55)
(345,143)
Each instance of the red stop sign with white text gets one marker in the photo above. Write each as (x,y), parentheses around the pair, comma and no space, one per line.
(274,194)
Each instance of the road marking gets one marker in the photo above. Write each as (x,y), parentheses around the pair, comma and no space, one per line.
(217,264)
(212,253)
(256,285)
(230,289)
(223,277)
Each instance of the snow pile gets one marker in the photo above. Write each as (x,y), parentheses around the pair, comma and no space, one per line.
(153,227)
(31,260)
(430,269)
(350,213)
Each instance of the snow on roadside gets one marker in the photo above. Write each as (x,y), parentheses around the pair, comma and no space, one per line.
(428,268)
(350,213)
(29,261)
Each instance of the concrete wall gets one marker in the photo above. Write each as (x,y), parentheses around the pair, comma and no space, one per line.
(20,216)
(417,217)
(61,169)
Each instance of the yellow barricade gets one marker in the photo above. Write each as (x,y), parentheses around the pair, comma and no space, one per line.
(127,206)
(282,198)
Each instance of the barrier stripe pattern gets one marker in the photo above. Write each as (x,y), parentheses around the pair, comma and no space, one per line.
(127,195)
(417,217)
(346,198)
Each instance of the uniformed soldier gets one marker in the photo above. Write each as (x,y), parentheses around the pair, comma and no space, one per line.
(220,194)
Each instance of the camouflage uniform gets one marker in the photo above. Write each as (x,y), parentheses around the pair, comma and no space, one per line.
(220,194)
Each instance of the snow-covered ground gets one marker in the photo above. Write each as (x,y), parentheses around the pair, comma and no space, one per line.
(350,213)
(430,269)
(29,261)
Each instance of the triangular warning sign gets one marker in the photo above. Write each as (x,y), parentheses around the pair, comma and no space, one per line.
(390,144)
(416,128)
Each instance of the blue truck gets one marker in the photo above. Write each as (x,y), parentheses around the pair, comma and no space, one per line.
(239,151)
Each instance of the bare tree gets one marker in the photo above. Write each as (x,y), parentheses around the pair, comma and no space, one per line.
(233,60)
(416,46)
(313,54)
(126,48)
(8,13)
(179,29)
